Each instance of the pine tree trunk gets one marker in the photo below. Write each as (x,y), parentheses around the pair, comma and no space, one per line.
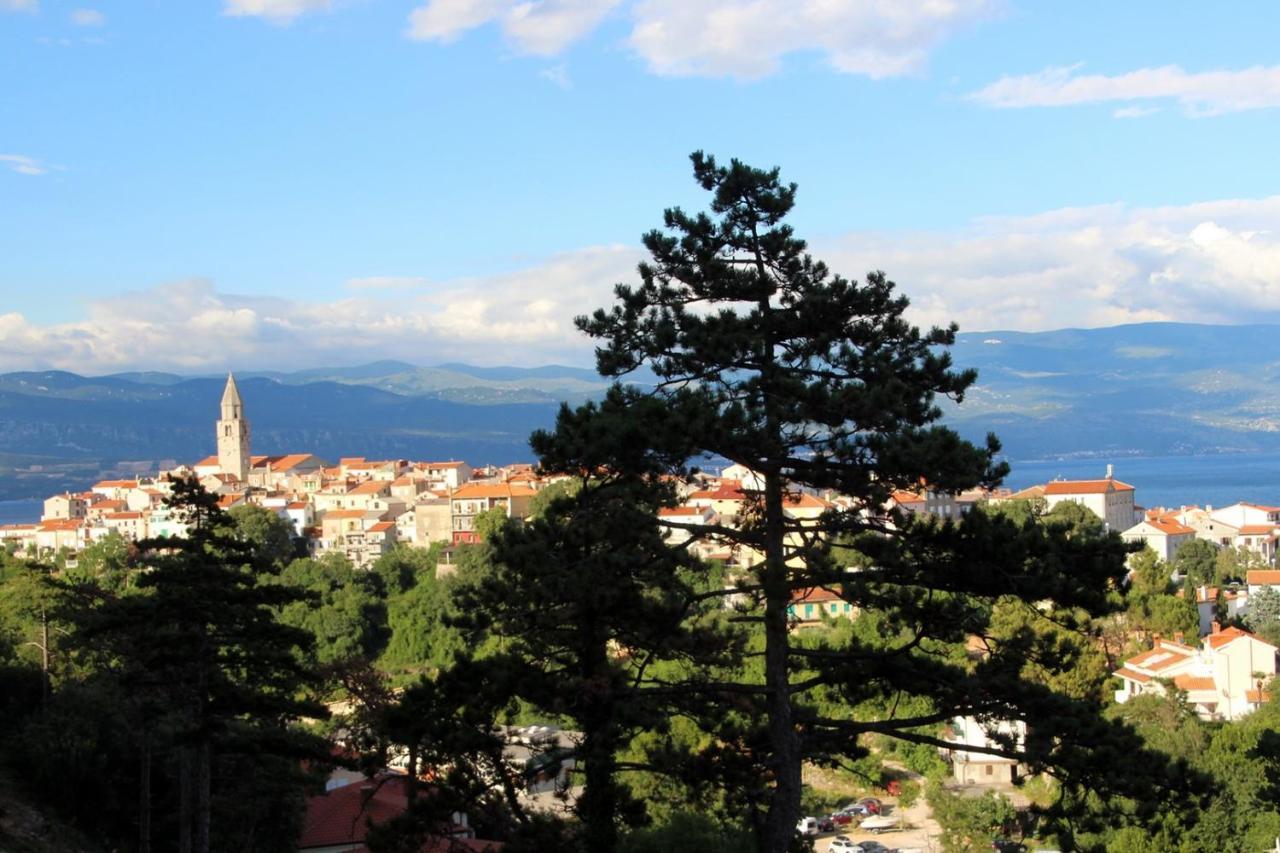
(144,799)
(599,802)
(184,799)
(203,803)
(784,741)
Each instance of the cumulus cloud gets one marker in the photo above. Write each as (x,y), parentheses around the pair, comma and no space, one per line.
(521,317)
(719,38)
(88,18)
(538,27)
(749,38)
(1216,262)
(23,165)
(1203,93)
(276,11)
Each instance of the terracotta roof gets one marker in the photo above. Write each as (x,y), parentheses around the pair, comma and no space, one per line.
(1169,527)
(673,511)
(61,524)
(123,516)
(207,462)
(804,499)
(445,464)
(292,460)
(1263,577)
(1161,657)
(372,487)
(1227,635)
(814,595)
(382,527)
(1194,682)
(1132,675)
(1262,507)
(492,490)
(1257,530)
(342,816)
(116,484)
(345,513)
(296,505)
(1085,487)
(1258,696)
(902,496)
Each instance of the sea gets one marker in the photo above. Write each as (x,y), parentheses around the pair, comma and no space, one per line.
(1169,481)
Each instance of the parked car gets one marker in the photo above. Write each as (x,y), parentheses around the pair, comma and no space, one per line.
(826,824)
(842,844)
(807,826)
(877,824)
(872,805)
(870,847)
(842,818)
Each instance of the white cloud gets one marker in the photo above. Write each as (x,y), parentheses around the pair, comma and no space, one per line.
(557,74)
(276,11)
(88,18)
(19,5)
(717,38)
(23,165)
(1134,112)
(538,27)
(1202,94)
(749,38)
(1216,262)
(521,317)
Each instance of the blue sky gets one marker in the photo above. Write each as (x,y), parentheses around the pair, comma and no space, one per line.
(255,183)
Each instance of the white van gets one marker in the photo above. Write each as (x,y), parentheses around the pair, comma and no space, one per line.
(807,826)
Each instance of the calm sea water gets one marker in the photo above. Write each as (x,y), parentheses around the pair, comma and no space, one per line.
(20,512)
(1218,480)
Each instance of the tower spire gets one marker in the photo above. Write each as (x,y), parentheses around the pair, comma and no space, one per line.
(233,433)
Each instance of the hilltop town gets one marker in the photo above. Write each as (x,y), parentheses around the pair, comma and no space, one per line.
(362,509)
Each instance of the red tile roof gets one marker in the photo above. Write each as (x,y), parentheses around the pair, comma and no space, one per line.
(1169,527)
(1132,675)
(1194,682)
(492,490)
(343,815)
(1263,577)
(1085,487)
(1257,530)
(1227,635)
(382,527)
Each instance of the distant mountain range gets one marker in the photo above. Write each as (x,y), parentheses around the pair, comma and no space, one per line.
(1146,389)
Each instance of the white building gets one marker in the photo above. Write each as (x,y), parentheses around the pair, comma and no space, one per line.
(1224,679)
(1162,535)
(1108,498)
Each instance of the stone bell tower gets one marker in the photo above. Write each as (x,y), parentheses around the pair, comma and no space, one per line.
(233,434)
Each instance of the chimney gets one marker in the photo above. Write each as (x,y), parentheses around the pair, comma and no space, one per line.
(1217,628)
(1155,640)
(1110,471)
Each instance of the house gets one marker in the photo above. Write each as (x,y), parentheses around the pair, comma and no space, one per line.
(1162,535)
(1224,678)
(64,506)
(1108,498)
(809,606)
(338,820)
(971,767)
(468,501)
(695,516)
(449,475)
(1258,579)
(1236,604)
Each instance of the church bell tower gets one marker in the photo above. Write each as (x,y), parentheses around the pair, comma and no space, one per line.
(233,434)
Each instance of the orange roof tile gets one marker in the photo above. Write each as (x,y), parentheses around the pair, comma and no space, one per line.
(116,484)
(382,527)
(1257,530)
(1085,487)
(1160,657)
(123,516)
(1169,527)
(1227,635)
(492,490)
(1262,577)
(207,462)
(814,595)
(372,487)
(1132,675)
(1194,682)
(671,511)
(345,513)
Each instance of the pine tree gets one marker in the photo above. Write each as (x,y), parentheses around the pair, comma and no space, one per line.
(765,358)
(587,603)
(210,670)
